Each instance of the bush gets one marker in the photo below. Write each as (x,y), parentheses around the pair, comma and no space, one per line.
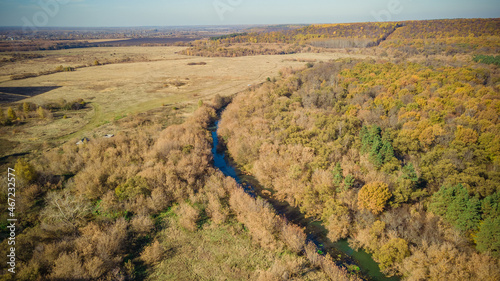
(132,188)
(188,216)
(153,253)
(142,225)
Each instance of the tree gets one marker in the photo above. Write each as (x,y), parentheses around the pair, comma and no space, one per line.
(337,174)
(466,135)
(406,184)
(455,206)
(41,112)
(26,107)
(409,173)
(375,157)
(25,171)
(348,181)
(11,114)
(374,196)
(386,151)
(488,237)
(365,139)
(391,253)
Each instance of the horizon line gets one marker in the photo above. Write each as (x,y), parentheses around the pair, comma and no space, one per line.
(247,24)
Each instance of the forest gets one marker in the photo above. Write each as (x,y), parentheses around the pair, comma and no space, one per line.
(401,159)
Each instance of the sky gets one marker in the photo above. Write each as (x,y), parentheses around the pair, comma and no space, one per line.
(128,13)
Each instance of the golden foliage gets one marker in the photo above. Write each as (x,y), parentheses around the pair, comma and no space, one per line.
(374,196)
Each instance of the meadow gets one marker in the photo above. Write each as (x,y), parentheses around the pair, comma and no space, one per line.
(120,81)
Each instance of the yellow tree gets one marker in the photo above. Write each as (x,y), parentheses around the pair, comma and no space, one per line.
(373,197)
(11,114)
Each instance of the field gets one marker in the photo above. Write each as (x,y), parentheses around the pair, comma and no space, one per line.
(132,80)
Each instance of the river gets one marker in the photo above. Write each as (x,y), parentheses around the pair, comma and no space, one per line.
(316,233)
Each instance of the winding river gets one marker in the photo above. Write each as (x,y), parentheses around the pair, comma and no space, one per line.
(316,233)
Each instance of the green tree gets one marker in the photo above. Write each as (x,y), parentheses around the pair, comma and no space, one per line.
(490,206)
(338,175)
(386,151)
(348,181)
(409,173)
(455,206)
(365,139)
(375,157)
(488,237)
(406,184)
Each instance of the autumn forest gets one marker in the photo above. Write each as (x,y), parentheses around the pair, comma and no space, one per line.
(392,146)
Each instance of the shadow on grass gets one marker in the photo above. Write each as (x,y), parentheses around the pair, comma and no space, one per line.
(15,94)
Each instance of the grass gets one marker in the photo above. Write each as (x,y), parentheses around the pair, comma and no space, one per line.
(215,253)
(199,255)
(122,89)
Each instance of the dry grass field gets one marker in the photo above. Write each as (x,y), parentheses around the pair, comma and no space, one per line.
(131,80)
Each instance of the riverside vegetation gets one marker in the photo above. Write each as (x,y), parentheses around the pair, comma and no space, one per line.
(162,212)
(388,136)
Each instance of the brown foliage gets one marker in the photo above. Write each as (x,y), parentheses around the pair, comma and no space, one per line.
(142,225)
(153,253)
(188,216)
(257,215)
(293,236)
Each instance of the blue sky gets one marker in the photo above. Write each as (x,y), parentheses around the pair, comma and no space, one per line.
(92,13)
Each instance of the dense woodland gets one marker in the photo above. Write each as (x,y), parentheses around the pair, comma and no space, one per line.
(401,159)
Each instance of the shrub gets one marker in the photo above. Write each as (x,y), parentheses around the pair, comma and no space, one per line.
(188,216)
(142,225)
(22,76)
(41,112)
(68,267)
(132,188)
(153,253)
